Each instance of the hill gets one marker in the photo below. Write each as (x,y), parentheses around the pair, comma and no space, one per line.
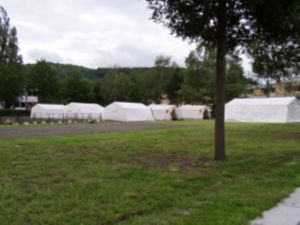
(64,69)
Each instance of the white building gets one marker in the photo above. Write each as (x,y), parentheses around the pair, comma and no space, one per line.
(27,102)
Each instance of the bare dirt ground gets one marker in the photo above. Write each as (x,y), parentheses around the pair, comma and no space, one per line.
(74,129)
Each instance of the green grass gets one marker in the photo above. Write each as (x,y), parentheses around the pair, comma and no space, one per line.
(149,177)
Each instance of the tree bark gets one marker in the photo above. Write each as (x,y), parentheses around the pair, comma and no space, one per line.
(220,83)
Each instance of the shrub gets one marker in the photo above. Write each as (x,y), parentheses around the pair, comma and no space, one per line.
(14,113)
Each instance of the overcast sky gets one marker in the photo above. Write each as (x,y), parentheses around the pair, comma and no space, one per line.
(92,33)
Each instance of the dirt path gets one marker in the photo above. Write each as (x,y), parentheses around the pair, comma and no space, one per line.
(73,129)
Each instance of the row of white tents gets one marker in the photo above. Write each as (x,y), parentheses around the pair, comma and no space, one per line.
(118,111)
(70,111)
(266,110)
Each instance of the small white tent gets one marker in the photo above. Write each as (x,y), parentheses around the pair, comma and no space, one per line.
(193,111)
(75,110)
(47,111)
(126,111)
(165,112)
(266,110)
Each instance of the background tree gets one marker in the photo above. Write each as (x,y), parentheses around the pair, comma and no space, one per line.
(173,85)
(44,78)
(291,82)
(153,84)
(146,86)
(167,79)
(10,85)
(115,86)
(97,91)
(236,82)
(227,24)
(10,61)
(162,65)
(199,80)
(79,88)
(276,62)
(135,94)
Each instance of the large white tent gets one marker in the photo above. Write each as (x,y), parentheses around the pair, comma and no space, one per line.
(193,111)
(165,112)
(75,110)
(127,111)
(267,110)
(47,111)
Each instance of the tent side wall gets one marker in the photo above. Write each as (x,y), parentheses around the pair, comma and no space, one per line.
(33,111)
(192,112)
(162,113)
(114,112)
(178,113)
(280,110)
(294,111)
(41,112)
(255,113)
(83,111)
(142,114)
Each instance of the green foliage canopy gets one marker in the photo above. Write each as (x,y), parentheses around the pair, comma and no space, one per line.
(79,88)
(44,79)
(10,61)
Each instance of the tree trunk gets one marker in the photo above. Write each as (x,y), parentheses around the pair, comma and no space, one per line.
(220,84)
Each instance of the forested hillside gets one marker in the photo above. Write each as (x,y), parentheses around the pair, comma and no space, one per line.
(64,69)
(195,83)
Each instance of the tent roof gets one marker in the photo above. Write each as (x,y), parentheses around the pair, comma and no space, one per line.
(130,105)
(262,101)
(89,105)
(50,106)
(193,107)
(161,107)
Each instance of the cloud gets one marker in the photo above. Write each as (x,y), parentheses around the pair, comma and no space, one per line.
(93,33)
(37,54)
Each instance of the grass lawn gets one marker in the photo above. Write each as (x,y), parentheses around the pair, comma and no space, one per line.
(154,177)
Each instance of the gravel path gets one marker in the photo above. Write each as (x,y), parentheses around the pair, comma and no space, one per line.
(73,129)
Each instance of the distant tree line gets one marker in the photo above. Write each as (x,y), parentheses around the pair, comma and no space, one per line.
(165,80)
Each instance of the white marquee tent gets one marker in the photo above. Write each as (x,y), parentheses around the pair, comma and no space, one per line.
(165,112)
(126,111)
(193,111)
(268,110)
(75,110)
(47,111)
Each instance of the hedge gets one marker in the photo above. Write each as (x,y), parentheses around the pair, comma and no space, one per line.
(14,113)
